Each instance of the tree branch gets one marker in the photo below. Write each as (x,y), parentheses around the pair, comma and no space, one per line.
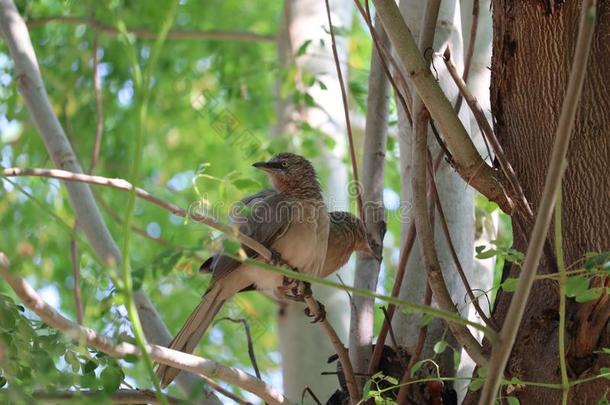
(503,347)
(467,160)
(194,35)
(160,354)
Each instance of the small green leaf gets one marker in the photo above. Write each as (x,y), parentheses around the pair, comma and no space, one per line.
(476,384)
(440,346)
(89,367)
(111,378)
(426,319)
(303,48)
(487,254)
(510,284)
(576,286)
(417,366)
(512,400)
(231,246)
(605,372)
(482,372)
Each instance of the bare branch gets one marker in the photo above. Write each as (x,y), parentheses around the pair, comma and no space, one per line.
(160,354)
(194,35)
(469,51)
(74,258)
(488,134)
(251,353)
(348,124)
(501,351)
(467,160)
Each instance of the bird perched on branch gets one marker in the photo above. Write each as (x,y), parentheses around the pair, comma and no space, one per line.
(293,223)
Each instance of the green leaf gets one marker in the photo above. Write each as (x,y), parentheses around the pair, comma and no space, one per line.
(510,284)
(589,295)
(486,254)
(111,378)
(605,372)
(476,384)
(72,360)
(440,346)
(417,366)
(89,367)
(426,319)
(303,48)
(576,286)
(512,400)
(231,246)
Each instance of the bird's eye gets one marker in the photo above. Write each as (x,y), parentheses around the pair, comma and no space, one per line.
(284,163)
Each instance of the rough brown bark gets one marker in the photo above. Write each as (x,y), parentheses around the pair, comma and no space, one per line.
(532,49)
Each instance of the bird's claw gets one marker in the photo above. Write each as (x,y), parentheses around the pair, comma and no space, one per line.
(321,313)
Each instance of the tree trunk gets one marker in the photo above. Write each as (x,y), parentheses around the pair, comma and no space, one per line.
(456,197)
(533,46)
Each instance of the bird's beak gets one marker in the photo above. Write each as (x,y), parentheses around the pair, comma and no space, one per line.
(369,251)
(267,166)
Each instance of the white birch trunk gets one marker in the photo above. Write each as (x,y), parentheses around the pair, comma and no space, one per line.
(456,197)
(305,349)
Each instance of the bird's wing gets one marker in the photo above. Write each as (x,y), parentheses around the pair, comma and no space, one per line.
(267,221)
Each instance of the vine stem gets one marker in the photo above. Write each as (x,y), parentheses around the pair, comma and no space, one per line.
(561,268)
(141,83)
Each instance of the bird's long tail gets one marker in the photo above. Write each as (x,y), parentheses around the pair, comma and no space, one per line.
(193,330)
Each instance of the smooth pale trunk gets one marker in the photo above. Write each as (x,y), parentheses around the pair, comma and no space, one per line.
(455,195)
(304,347)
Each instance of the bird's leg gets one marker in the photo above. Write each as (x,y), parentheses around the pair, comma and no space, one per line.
(307,293)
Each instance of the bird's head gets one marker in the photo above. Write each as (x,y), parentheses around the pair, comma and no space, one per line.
(291,173)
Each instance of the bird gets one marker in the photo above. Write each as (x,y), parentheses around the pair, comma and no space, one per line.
(293,223)
(347,234)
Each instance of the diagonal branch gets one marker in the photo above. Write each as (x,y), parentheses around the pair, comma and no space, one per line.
(160,354)
(467,160)
(502,349)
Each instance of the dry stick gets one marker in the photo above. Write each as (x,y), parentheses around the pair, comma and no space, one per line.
(426,239)
(348,124)
(469,51)
(419,348)
(160,354)
(251,243)
(456,259)
(248,340)
(99,112)
(220,389)
(121,396)
(405,253)
(196,35)
(386,55)
(125,185)
(503,347)
(488,134)
(467,160)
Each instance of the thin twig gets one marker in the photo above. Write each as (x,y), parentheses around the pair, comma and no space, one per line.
(221,390)
(501,351)
(76,278)
(488,134)
(251,353)
(99,111)
(454,255)
(561,269)
(426,238)
(405,253)
(195,35)
(474,24)
(419,348)
(348,124)
(159,354)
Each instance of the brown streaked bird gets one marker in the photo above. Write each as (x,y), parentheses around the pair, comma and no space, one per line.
(294,222)
(346,234)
